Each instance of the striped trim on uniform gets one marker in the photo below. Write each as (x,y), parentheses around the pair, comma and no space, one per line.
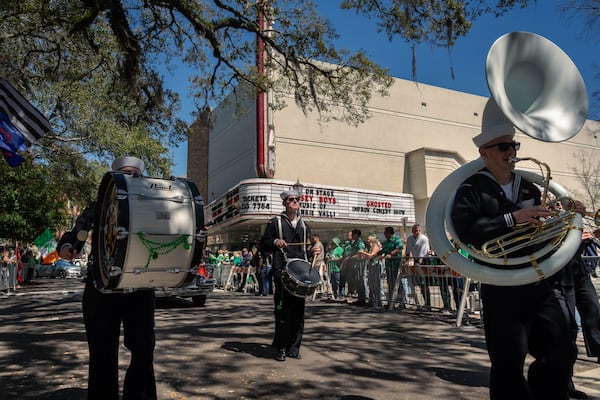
(510,221)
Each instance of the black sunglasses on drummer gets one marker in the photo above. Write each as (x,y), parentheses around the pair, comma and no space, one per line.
(504,146)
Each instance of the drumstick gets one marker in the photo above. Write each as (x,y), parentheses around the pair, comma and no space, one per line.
(298,244)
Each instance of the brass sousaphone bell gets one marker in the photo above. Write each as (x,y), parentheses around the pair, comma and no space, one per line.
(539,89)
(537,86)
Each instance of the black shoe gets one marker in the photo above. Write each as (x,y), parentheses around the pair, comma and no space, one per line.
(280,355)
(577,394)
(296,356)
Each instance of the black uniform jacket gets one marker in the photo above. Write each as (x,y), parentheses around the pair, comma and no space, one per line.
(85,222)
(482,211)
(300,234)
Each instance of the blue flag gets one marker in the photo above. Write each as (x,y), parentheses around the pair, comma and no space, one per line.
(10,136)
(21,124)
(13,159)
(11,141)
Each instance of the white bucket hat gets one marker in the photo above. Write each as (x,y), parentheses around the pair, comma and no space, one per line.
(288,193)
(123,162)
(494,124)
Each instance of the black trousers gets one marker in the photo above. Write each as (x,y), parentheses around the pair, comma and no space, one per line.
(289,319)
(103,314)
(588,306)
(527,319)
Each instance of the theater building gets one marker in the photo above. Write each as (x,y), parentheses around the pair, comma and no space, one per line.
(379,173)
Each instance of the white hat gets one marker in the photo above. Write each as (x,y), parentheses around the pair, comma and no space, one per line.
(288,193)
(123,162)
(494,124)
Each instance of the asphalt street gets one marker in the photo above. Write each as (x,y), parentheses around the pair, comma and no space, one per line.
(221,351)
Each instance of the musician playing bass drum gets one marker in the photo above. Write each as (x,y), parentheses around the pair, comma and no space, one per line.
(104,312)
(286,236)
(517,319)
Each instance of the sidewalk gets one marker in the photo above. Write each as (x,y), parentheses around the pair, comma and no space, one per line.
(222,351)
(589,382)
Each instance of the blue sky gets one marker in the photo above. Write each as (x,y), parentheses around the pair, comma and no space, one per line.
(467,58)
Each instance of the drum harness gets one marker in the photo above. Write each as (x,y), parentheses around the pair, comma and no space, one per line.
(280,234)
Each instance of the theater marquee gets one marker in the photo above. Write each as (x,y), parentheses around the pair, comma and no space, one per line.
(260,197)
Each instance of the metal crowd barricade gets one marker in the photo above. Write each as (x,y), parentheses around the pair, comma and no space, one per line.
(426,282)
(226,275)
(324,289)
(8,277)
(402,282)
(353,278)
(220,273)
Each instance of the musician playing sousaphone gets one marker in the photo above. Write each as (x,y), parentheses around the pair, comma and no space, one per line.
(286,236)
(518,319)
(104,312)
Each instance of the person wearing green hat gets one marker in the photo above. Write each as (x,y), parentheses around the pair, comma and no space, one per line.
(335,254)
(353,269)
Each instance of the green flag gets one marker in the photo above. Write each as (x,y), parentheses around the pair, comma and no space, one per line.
(43,239)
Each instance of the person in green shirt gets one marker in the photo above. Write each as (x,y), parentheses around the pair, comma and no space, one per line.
(391,252)
(334,257)
(338,251)
(353,268)
(222,257)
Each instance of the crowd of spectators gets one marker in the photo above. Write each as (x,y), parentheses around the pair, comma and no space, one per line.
(382,271)
(16,267)
(243,270)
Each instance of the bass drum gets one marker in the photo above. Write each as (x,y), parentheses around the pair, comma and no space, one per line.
(149,232)
(300,278)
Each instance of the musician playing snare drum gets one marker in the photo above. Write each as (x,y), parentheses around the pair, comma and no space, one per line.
(286,236)
(104,312)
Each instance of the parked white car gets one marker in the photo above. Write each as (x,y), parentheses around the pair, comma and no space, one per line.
(199,289)
(58,269)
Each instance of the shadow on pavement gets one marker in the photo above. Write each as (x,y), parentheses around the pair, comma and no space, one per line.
(259,350)
(222,351)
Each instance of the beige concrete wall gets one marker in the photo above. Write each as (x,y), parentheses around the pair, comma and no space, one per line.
(413,118)
(374,153)
(415,137)
(232,145)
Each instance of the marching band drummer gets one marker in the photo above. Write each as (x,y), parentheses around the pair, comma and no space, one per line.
(104,312)
(286,236)
(517,319)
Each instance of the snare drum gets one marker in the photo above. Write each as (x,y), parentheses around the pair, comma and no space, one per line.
(148,233)
(300,278)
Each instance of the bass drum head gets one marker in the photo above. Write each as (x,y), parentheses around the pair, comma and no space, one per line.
(112,212)
(198,205)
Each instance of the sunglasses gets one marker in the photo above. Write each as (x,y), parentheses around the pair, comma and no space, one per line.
(292,199)
(504,146)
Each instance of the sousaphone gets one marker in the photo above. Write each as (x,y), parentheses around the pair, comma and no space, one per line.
(539,89)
